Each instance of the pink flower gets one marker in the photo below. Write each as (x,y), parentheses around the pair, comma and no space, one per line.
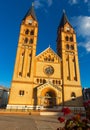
(61,119)
(66,111)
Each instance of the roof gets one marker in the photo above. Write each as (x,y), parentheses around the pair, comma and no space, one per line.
(31,12)
(49,48)
(64,20)
(4,88)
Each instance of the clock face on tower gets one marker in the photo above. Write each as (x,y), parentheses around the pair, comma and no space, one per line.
(30,21)
(49,70)
(68,28)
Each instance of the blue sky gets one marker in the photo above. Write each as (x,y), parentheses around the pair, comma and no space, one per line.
(49,14)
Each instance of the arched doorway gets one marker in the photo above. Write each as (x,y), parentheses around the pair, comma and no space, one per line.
(48,99)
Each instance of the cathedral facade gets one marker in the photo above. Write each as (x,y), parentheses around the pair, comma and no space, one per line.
(50,79)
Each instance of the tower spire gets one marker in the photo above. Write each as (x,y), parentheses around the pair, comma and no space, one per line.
(63,10)
(64,19)
(33,4)
(31,12)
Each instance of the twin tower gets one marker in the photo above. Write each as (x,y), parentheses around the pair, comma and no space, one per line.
(48,80)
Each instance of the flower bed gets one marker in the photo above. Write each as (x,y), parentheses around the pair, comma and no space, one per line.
(73,123)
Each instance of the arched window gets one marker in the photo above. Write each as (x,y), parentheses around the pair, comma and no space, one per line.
(44,81)
(20,73)
(31,41)
(73,95)
(67,38)
(49,58)
(37,80)
(40,80)
(32,32)
(26,40)
(72,47)
(56,82)
(30,55)
(67,46)
(21,92)
(27,31)
(71,39)
(53,81)
(23,54)
(28,74)
(59,82)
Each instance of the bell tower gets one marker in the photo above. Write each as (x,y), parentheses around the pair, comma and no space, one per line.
(26,50)
(67,50)
(22,83)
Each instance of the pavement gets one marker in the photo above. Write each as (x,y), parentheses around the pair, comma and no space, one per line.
(28,122)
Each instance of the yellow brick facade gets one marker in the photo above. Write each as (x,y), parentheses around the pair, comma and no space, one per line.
(48,79)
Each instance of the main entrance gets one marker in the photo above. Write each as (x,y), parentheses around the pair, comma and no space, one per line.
(48,98)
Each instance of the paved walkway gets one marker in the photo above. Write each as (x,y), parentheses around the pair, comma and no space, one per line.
(28,122)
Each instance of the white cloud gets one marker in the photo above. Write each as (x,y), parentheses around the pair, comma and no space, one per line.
(41,3)
(86,1)
(37,4)
(49,2)
(73,2)
(86,45)
(82,26)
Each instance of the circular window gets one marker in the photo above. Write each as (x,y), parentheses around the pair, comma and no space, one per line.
(49,70)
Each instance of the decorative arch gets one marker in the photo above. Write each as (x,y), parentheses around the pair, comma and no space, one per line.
(45,90)
(48,97)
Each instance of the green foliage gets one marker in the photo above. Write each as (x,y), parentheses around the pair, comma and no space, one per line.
(74,123)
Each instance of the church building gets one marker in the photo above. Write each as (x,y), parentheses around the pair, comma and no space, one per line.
(49,79)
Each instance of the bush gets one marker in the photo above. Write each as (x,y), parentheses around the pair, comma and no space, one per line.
(73,123)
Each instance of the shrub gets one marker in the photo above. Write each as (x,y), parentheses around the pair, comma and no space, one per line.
(73,123)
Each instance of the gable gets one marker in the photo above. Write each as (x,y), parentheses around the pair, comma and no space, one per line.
(48,55)
(49,85)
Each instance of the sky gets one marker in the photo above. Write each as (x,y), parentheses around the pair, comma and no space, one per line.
(49,13)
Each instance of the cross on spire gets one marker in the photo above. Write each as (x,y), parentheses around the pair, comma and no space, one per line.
(31,12)
(32,3)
